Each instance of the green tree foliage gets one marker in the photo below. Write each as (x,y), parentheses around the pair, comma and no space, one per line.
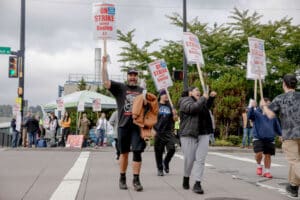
(225,49)
(82,85)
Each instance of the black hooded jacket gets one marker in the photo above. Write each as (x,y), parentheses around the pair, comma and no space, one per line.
(195,119)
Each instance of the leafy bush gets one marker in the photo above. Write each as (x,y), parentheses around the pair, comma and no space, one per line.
(234,139)
(222,143)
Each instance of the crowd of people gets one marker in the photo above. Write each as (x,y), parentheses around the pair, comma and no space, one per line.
(192,128)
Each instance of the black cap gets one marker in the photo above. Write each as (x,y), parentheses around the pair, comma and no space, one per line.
(132,71)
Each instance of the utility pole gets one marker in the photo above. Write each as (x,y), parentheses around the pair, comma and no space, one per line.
(185,75)
(21,57)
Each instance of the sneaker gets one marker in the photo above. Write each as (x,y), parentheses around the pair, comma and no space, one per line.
(166,167)
(197,188)
(160,172)
(122,183)
(259,171)
(186,183)
(268,175)
(137,185)
(292,190)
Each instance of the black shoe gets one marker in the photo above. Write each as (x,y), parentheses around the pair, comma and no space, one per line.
(186,183)
(166,167)
(160,172)
(197,188)
(122,183)
(292,190)
(137,185)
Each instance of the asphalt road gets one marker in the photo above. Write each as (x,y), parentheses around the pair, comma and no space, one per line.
(63,174)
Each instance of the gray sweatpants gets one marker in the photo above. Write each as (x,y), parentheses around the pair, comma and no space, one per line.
(194,152)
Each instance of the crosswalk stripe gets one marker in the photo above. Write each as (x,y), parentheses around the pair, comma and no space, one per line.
(240,158)
(69,187)
(181,157)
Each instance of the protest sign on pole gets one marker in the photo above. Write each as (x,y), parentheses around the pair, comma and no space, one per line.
(80,107)
(104,17)
(60,104)
(257,60)
(192,49)
(96,105)
(161,76)
(193,53)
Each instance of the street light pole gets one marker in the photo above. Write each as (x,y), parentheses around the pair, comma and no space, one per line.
(21,57)
(185,76)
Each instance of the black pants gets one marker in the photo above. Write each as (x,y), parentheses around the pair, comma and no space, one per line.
(159,147)
(64,136)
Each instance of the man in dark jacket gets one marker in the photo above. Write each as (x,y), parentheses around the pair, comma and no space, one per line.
(32,125)
(15,138)
(195,128)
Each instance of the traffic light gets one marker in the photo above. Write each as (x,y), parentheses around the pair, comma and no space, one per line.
(13,67)
(178,75)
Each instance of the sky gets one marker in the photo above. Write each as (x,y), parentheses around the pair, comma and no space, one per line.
(59,35)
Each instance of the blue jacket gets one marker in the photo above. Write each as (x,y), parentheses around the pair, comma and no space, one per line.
(263,127)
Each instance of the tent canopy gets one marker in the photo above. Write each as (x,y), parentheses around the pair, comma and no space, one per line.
(72,100)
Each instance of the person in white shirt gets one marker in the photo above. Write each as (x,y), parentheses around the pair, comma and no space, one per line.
(101,129)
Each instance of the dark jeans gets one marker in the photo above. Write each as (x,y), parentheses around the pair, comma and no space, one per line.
(64,136)
(15,139)
(117,147)
(101,136)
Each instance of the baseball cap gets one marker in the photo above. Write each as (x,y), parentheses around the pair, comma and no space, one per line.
(132,71)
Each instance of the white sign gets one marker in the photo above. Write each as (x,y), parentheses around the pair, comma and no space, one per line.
(257,57)
(18,121)
(104,21)
(160,74)
(250,74)
(80,107)
(96,105)
(60,104)
(192,49)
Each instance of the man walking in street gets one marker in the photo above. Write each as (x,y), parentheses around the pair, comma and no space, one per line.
(287,105)
(128,134)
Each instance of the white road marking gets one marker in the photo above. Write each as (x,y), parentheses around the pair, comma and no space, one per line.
(69,187)
(240,158)
(181,157)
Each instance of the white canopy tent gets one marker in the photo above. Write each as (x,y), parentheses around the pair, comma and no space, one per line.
(72,100)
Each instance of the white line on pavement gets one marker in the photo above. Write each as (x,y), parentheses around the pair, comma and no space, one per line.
(240,158)
(69,187)
(181,157)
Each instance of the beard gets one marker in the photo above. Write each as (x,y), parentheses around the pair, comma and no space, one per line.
(132,83)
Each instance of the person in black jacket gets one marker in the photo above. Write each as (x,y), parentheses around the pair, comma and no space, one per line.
(32,125)
(15,138)
(195,128)
(164,137)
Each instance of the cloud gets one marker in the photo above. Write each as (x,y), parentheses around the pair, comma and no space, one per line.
(59,37)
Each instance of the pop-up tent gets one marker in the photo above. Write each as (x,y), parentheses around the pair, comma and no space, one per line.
(72,100)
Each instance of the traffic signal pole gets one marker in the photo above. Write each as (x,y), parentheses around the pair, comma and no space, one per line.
(21,57)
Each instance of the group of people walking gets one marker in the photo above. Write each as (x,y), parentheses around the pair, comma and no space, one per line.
(196,126)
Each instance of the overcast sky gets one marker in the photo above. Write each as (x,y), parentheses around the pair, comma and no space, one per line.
(59,35)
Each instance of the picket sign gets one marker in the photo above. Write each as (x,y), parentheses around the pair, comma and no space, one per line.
(74,141)
(256,62)
(161,76)
(193,53)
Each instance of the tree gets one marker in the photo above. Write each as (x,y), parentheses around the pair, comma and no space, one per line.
(82,85)
(225,49)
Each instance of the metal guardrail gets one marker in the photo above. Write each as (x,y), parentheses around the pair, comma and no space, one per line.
(5,136)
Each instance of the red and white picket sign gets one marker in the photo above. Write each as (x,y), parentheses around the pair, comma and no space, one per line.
(192,49)
(60,104)
(257,58)
(104,17)
(160,74)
